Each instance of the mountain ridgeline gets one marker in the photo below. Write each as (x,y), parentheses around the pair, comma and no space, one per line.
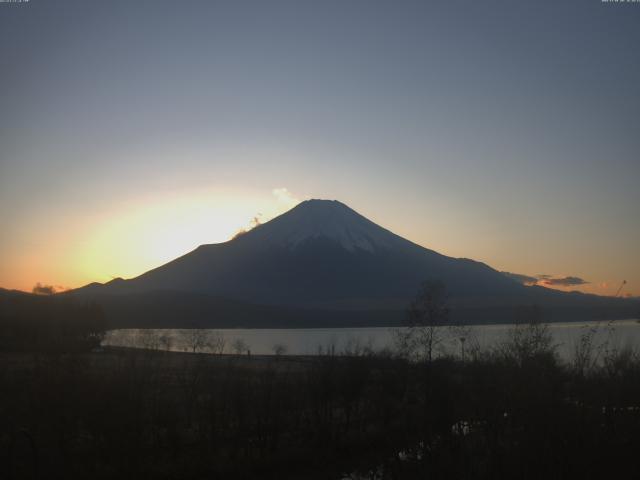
(323,264)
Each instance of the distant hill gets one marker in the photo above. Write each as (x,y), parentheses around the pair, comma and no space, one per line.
(31,322)
(323,264)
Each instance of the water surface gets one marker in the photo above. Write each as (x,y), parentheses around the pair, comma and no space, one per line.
(312,341)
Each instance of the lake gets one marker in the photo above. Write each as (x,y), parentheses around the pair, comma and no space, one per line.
(311,341)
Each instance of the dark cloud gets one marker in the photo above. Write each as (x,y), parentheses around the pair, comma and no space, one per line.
(520,278)
(544,279)
(41,289)
(565,281)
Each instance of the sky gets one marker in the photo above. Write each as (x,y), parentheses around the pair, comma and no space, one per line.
(133,131)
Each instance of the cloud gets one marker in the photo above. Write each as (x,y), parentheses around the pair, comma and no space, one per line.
(285,197)
(255,221)
(41,289)
(547,280)
(239,233)
(564,281)
(520,278)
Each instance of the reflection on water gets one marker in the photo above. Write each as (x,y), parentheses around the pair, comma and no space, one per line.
(313,341)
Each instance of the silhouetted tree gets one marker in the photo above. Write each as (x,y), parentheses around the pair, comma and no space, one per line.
(427,312)
(279,349)
(530,338)
(239,346)
(196,339)
(148,339)
(217,342)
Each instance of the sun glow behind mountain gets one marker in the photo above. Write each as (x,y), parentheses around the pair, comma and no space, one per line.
(133,237)
(134,241)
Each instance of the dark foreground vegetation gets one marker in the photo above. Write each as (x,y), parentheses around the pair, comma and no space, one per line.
(513,413)
(46,323)
(69,410)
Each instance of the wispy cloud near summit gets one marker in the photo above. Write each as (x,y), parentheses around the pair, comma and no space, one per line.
(285,197)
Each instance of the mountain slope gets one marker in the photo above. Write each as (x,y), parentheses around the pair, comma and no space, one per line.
(324,255)
(320,253)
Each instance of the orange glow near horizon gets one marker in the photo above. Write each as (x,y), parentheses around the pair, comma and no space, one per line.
(128,241)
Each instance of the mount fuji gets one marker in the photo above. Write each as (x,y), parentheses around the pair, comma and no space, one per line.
(319,264)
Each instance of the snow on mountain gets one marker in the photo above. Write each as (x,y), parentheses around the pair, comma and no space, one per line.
(325,219)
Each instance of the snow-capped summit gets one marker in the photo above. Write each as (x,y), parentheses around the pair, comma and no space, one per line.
(326,220)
